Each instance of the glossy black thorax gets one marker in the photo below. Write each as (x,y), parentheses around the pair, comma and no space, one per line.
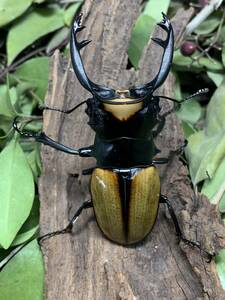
(127,142)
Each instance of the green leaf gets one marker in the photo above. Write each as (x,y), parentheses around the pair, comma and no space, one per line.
(220,267)
(214,188)
(221,39)
(209,25)
(30,227)
(186,63)
(154,8)
(6,108)
(35,71)
(217,78)
(222,204)
(31,27)
(223,54)
(211,64)
(69,13)
(32,159)
(190,112)
(140,37)
(23,276)
(16,190)
(188,129)
(11,9)
(58,38)
(144,27)
(206,148)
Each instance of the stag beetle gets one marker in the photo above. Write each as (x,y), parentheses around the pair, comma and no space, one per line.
(125,184)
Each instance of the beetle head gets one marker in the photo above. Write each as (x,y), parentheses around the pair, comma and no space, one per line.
(134,95)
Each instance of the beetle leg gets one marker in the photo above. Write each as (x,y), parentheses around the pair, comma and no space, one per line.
(160,127)
(164,199)
(67,111)
(44,139)
(88,171)
(69,227)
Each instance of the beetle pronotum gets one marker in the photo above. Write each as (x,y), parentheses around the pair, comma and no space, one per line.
(125,184)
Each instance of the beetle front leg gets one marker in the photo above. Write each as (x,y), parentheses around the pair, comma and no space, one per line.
(44,139)
(69,227)
(164,199)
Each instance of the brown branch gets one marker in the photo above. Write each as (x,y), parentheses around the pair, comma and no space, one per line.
(85,265)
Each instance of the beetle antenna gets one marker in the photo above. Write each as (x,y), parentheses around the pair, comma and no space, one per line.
(199,92)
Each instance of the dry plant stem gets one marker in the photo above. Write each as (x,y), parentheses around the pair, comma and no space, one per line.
(20,61)
(203,15)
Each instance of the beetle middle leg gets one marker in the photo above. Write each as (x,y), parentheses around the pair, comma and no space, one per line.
(69,227)
(164,199)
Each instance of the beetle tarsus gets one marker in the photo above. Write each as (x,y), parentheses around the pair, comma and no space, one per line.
(164,199)
(23,133)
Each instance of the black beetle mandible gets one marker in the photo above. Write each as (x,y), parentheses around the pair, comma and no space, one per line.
(125,184)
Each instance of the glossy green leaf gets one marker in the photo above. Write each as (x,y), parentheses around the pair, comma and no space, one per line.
(70,12)
(206,148)
(144,27)
(31,27)
(16,190)
(217,78)
(209,25)
(6,108)
(220,267)
(35,71)
(11,9)
(22,278)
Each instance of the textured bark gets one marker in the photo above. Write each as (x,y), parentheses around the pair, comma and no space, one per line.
(85,265)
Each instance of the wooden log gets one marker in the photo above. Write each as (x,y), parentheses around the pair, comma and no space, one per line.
(85,265)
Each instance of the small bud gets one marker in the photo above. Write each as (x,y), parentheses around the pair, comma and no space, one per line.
(188,48)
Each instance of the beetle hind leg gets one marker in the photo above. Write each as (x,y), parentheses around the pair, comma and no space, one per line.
(164,199)
(69,227)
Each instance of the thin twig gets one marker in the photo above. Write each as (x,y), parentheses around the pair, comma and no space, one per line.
(20,61)
(203,15)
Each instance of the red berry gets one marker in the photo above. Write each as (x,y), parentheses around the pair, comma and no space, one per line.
(203,3)
(188,48)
